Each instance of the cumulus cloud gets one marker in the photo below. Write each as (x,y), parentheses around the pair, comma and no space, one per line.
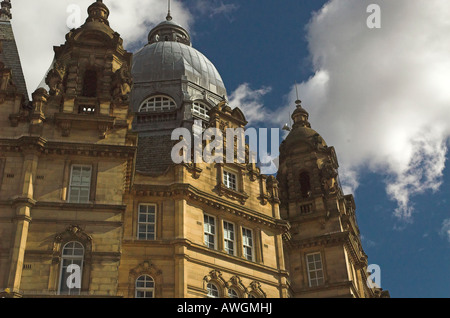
(381,96)
(40,25)
(251,102)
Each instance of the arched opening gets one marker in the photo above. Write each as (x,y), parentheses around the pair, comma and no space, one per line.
(305,185)
(90,83)
(212,290)
(71,269)
(145,287)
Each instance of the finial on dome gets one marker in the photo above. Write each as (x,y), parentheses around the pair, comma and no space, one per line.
(300,115)
(169,17)
(99,12)
(5,13)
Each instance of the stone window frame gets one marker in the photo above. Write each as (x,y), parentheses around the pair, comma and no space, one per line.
(253,247)
(73,233)
(308,271)
(228,181)
(239,225)
(215,277)
(255,290)
(235,229)
(67,177)
(145,289)
(221,189)
(236,284)
(145,268)
(71,257)
(74,186)
(155,223)
(215,234)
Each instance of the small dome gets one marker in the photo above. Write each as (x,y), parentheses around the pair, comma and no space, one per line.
(169,60)
(302,133)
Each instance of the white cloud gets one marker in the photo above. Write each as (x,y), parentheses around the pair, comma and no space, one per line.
(40,25)
(381,96)
(445,230)
(251,102)
(215,7)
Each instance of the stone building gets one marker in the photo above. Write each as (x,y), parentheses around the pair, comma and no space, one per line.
(89,193)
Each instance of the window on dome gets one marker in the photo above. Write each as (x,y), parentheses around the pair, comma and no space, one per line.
(200,110)
(158,104)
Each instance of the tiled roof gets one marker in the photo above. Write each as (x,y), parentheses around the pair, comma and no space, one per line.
(9,55)
(154,154)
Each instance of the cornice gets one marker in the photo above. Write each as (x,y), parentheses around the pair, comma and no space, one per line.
(191,193)
(42,145)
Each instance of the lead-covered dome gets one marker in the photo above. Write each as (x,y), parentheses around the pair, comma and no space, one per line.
(169,55)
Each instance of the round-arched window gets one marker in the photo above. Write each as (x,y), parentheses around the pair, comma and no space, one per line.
(145,287)
(232,293)
(158,103)
(71,269)
(213,291)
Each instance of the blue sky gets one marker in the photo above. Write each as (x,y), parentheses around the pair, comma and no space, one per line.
(380,97)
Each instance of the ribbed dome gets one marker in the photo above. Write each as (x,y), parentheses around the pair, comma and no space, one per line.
(169,60)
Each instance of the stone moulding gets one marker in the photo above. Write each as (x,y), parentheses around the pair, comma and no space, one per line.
(189,192)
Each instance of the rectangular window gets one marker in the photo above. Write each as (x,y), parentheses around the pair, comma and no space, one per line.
(210,231)
(247,243)
(228,236)
(315,269)
(147,222)
(80,184)
(230,180)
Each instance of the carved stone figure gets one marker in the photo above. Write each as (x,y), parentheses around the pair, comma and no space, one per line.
(121,84)
(329,177)
(55,78)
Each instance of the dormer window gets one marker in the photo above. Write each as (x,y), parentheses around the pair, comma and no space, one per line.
(158,104)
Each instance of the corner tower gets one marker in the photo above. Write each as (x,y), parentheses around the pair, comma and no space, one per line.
(65,163)
(324,255)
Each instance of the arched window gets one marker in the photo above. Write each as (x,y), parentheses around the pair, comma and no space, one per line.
(158,104)
(232,293)
(305,185)
(200,110)
(213,291)
(90,83)
(145,287)
(71,269)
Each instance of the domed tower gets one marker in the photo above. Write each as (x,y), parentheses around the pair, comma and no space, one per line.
(174,84)
(324,255)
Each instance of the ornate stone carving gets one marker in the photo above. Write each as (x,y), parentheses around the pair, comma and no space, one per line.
(72,233)
(255,288)
(55,78)
(329,176)
(121,84)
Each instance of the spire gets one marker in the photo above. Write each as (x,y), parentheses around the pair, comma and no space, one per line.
(169,17)
(5,12)
(99,12)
